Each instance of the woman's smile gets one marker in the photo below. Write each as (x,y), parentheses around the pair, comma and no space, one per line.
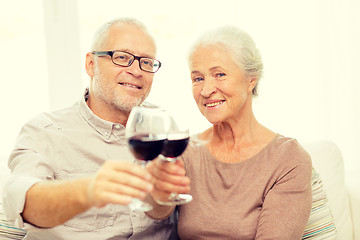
(214,104)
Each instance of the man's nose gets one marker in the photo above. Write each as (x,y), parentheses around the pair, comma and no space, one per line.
(134,68)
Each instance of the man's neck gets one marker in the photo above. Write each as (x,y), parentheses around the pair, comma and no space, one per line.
(107,113)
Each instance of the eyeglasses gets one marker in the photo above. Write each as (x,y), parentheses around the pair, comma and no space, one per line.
(125,59)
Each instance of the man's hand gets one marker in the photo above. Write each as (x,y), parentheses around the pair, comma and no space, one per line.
(118,182)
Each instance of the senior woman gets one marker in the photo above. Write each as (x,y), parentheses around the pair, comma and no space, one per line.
(247,181)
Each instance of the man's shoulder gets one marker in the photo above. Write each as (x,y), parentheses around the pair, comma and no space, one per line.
(46,119)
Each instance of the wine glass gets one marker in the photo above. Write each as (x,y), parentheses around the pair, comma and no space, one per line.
(175,144)
(146,133)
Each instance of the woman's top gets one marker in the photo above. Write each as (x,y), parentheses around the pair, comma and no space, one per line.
(267,196)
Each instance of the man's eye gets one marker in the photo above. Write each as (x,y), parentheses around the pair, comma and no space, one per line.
(147,62)
(121,57)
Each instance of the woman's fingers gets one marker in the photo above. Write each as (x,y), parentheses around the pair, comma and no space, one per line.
(168,187)
(168,178)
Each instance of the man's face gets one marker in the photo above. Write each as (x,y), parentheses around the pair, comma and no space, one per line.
(117,88)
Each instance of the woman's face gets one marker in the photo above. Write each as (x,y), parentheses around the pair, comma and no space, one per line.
(220,88)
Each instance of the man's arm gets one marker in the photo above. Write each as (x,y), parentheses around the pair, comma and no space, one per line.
(50,203)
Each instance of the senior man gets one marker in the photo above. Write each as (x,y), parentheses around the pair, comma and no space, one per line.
(72,173)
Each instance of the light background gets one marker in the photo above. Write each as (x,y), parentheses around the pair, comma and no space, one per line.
(310,48)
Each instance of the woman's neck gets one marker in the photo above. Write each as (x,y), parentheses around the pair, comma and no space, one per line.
(237,131)
(236,143)
(238,134)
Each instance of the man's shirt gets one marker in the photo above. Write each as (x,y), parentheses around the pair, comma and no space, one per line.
(69,144)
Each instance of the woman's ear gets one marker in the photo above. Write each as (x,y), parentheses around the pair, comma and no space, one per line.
(89,64)
(252,84)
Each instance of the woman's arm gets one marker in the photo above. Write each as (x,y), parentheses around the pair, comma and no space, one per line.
(287,205)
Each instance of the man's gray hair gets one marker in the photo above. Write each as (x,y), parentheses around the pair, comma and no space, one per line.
(102,32)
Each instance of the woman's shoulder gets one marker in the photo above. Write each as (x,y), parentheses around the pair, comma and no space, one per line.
(288,149)
(290,144)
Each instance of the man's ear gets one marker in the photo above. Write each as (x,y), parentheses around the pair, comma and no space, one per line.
(89,64)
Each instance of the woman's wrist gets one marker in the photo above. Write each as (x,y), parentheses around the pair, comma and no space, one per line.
(159,212)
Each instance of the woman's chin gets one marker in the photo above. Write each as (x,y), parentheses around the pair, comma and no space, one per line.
(215,121)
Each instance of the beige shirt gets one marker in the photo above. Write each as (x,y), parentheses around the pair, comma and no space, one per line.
(268,196)
(73,143)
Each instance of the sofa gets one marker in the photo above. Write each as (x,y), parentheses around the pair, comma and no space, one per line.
(343,197)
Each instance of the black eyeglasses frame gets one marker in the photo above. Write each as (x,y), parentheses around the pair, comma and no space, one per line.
(111,54)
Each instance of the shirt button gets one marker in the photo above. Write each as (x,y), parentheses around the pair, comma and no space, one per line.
(117,126)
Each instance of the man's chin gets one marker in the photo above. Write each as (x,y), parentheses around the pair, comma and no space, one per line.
(128,105)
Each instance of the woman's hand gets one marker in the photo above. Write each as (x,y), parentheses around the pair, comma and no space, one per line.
(168,178)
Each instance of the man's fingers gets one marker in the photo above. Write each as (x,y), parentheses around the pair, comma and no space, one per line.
(123,190)
(110,197)
(127,179)
(118,183)
(130,168)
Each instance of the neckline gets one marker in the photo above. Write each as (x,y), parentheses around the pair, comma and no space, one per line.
(259,153)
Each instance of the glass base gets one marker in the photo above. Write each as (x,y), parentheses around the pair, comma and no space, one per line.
(137,204)
(176,199)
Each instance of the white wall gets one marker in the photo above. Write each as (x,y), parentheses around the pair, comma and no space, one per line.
(310,51)
(24,85)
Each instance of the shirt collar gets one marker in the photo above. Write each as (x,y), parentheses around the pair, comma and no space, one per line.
(103,127)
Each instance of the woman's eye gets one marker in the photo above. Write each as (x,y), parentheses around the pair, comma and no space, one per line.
(197,79)
(219,75)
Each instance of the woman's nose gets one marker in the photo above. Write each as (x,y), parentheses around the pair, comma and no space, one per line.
(208,88)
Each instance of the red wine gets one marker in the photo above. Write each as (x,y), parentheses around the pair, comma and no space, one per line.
(174,147)
(145,148)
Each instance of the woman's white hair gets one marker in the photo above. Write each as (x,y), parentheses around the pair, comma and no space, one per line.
(240,46)
(102,32)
